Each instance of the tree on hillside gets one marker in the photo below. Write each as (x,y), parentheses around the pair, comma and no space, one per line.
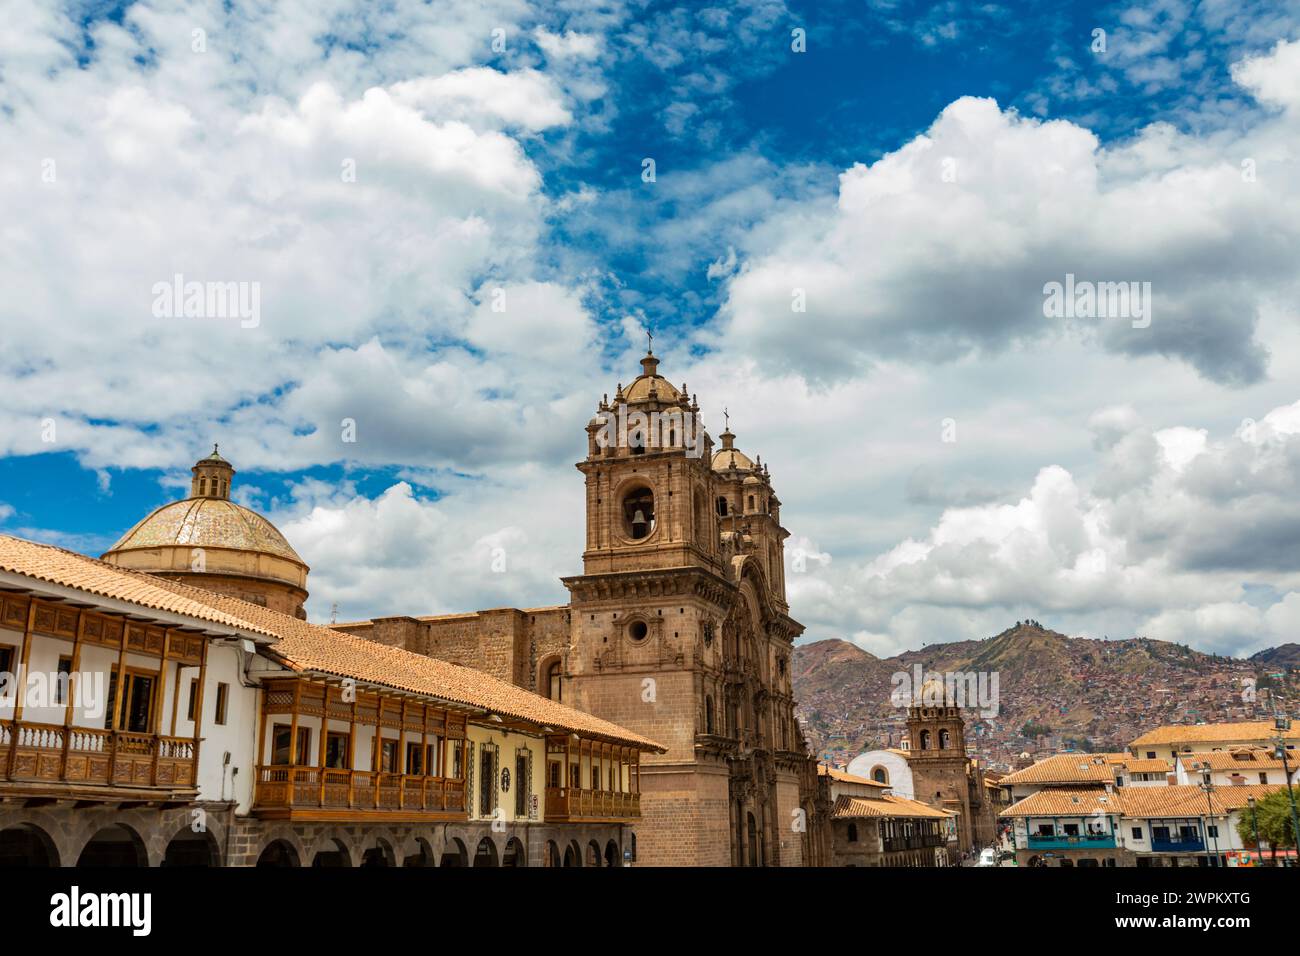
(1273,814)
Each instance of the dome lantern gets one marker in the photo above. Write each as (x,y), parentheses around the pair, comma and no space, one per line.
(211,477)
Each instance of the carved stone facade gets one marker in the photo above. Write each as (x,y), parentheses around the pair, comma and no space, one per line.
(678,628)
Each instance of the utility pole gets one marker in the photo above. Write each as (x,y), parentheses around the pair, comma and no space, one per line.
(1254,825)
(1207,784)
(1281,724)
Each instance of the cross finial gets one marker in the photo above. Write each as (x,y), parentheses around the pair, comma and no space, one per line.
(649,342)
(726,416)
(214,448)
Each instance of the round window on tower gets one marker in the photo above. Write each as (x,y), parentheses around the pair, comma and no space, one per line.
(638,630)
(639,513)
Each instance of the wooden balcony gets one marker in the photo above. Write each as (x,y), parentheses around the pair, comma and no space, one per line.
(569,805)
(86,762)
(310,793)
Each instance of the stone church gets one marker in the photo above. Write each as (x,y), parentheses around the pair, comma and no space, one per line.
(678,628)
(935,768)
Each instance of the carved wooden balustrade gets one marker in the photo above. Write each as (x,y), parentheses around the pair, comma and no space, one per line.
(567,803)
(311,788)
(52,753)
(301,788)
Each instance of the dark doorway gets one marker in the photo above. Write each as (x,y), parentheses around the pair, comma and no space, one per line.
(26,845)
(114,846)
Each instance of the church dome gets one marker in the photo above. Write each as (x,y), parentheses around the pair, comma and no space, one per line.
(212,542)
(729,456)
(651,381)
(206,523)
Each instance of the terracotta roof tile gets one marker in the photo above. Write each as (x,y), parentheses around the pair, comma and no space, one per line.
(44,562)
(847,807)
(1238,758)
(1143,765)
(310,647)
(1195,733)
(1066,769)
(1078,802)
(843,777)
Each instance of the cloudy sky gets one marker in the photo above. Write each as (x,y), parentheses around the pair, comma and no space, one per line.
(448,215)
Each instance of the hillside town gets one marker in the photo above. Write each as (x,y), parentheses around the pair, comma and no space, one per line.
(1056,693)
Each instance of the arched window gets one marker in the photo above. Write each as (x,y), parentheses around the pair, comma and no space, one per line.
(880,775)
(203,486)
(722,505)
(552,686)
(945,740)
(925,740)
(708,714)
(639,513)
(751,502)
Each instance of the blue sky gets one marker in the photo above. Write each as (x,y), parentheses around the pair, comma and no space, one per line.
(1093,460)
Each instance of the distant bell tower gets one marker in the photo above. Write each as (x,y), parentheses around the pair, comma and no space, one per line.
(936,755)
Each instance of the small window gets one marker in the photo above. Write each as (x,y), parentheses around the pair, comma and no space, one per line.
(338,749)
(1263,778)
(554,687)
(6,659)
(194,698)
(203,486)
(388,756)
(281,755)
(1213,830)
(223,699)
(1151,755)
(415,759)
(722,506)
(553,775)
(64,677)
(853,833)
(457,759)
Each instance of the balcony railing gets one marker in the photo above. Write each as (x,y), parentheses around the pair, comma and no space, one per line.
(52,753)
(1179,845)
(915,842)
(1076,841)
(567,803)
(313,788)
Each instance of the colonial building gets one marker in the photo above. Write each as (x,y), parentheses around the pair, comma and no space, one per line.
(1169,741)
(678,629)
(1170,825)
(870,826)
(145,721)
